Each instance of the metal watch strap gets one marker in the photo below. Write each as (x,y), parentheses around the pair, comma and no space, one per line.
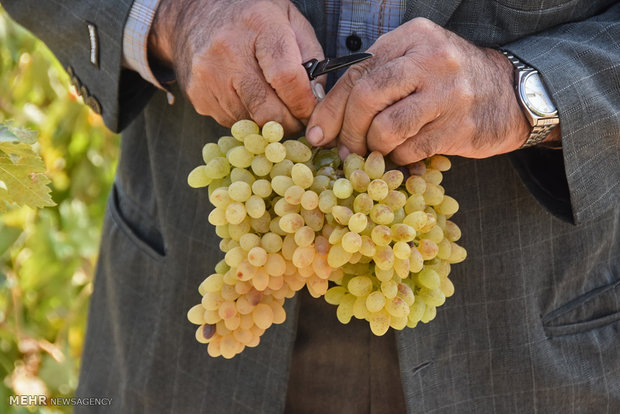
(538,132)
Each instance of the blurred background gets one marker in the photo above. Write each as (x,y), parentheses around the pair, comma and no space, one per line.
(47,256)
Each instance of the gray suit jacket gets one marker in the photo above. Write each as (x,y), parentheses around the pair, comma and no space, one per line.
(534,325)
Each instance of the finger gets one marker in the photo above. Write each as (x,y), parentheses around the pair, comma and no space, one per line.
(401,120)
(374,92)
(328,116)
(423,145)
(280,61)
(223,106)
(261,102)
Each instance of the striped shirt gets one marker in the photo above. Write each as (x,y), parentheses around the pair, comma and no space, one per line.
(366,19)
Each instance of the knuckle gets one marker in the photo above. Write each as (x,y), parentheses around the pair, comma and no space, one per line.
(422,24)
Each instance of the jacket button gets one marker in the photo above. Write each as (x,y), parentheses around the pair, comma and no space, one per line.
(94,104)
(353,42)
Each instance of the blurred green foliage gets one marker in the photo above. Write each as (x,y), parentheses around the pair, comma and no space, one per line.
(47,256)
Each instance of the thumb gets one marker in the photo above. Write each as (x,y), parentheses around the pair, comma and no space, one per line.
(308,44)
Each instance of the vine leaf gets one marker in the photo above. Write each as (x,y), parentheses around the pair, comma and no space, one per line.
(22,171)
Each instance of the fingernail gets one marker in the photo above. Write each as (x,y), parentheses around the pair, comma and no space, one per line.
(343,152)
(315,135)
(318,91)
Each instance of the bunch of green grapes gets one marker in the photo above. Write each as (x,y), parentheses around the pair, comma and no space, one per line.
(266,211)
(393,239)
(288,217)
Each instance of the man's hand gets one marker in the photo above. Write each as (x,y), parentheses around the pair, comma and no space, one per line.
(426,91)
(239,59)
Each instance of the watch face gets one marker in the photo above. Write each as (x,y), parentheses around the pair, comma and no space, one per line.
(535,95)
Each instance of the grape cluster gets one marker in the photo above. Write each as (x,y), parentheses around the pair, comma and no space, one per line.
(289,217)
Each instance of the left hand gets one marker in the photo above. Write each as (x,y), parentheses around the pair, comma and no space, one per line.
(426,91)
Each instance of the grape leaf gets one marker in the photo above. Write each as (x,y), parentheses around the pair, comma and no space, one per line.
(22,178)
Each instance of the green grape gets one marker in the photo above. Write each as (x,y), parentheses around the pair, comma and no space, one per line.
(389,288)
(402,232)
(379,322)
(257,256)
(239,229)
(429,314)
(261,224)
(381,235)
(261,188)
(452,231)
(432,176)
(217,216)
(402,250)
(359,308)
(381,214)
(275,152)
(415,185)
(341,214)
(296,151)
(235,256)
(209,151)
(240,129)
(337,256)
(368,247)
(240,157)
(417,220)
(393,178)
(374,165)
(275,265)
(397,307)
(262,316)
(261,166)
(357,222)
(271,242)
(239,191)
(273,131)
(344,312)
(219,197)
(198,177)
(406,294)
(255,143)
(448,206)
(342,188)
(225,144)
(384,274)
(281,183)
(440,162)
(401,267)
(302,175)
(395,200)
(309,200)
(319,184)
(378,189)
(351,163)
(360,285)
(457,254)
(241,174)
(303,256)
(384,257)
(327,200)
(313,218)
(248,241)
(291,222)
(446,287)
(363,203)
(284,167)
(213,283)
(415,203)
(432,297)
(433,195)
(293,194)
(255,206)
(235,212)
(304,236)
(375,301)
(351,242)
(427,248)
(281,207)
(334,295)
(218,167)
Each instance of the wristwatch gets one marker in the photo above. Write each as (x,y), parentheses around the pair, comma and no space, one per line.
(534,100)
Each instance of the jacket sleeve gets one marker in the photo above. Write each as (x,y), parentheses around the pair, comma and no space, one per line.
(580,65)
(87,38)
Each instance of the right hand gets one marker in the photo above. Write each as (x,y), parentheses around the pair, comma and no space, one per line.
(239,59)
